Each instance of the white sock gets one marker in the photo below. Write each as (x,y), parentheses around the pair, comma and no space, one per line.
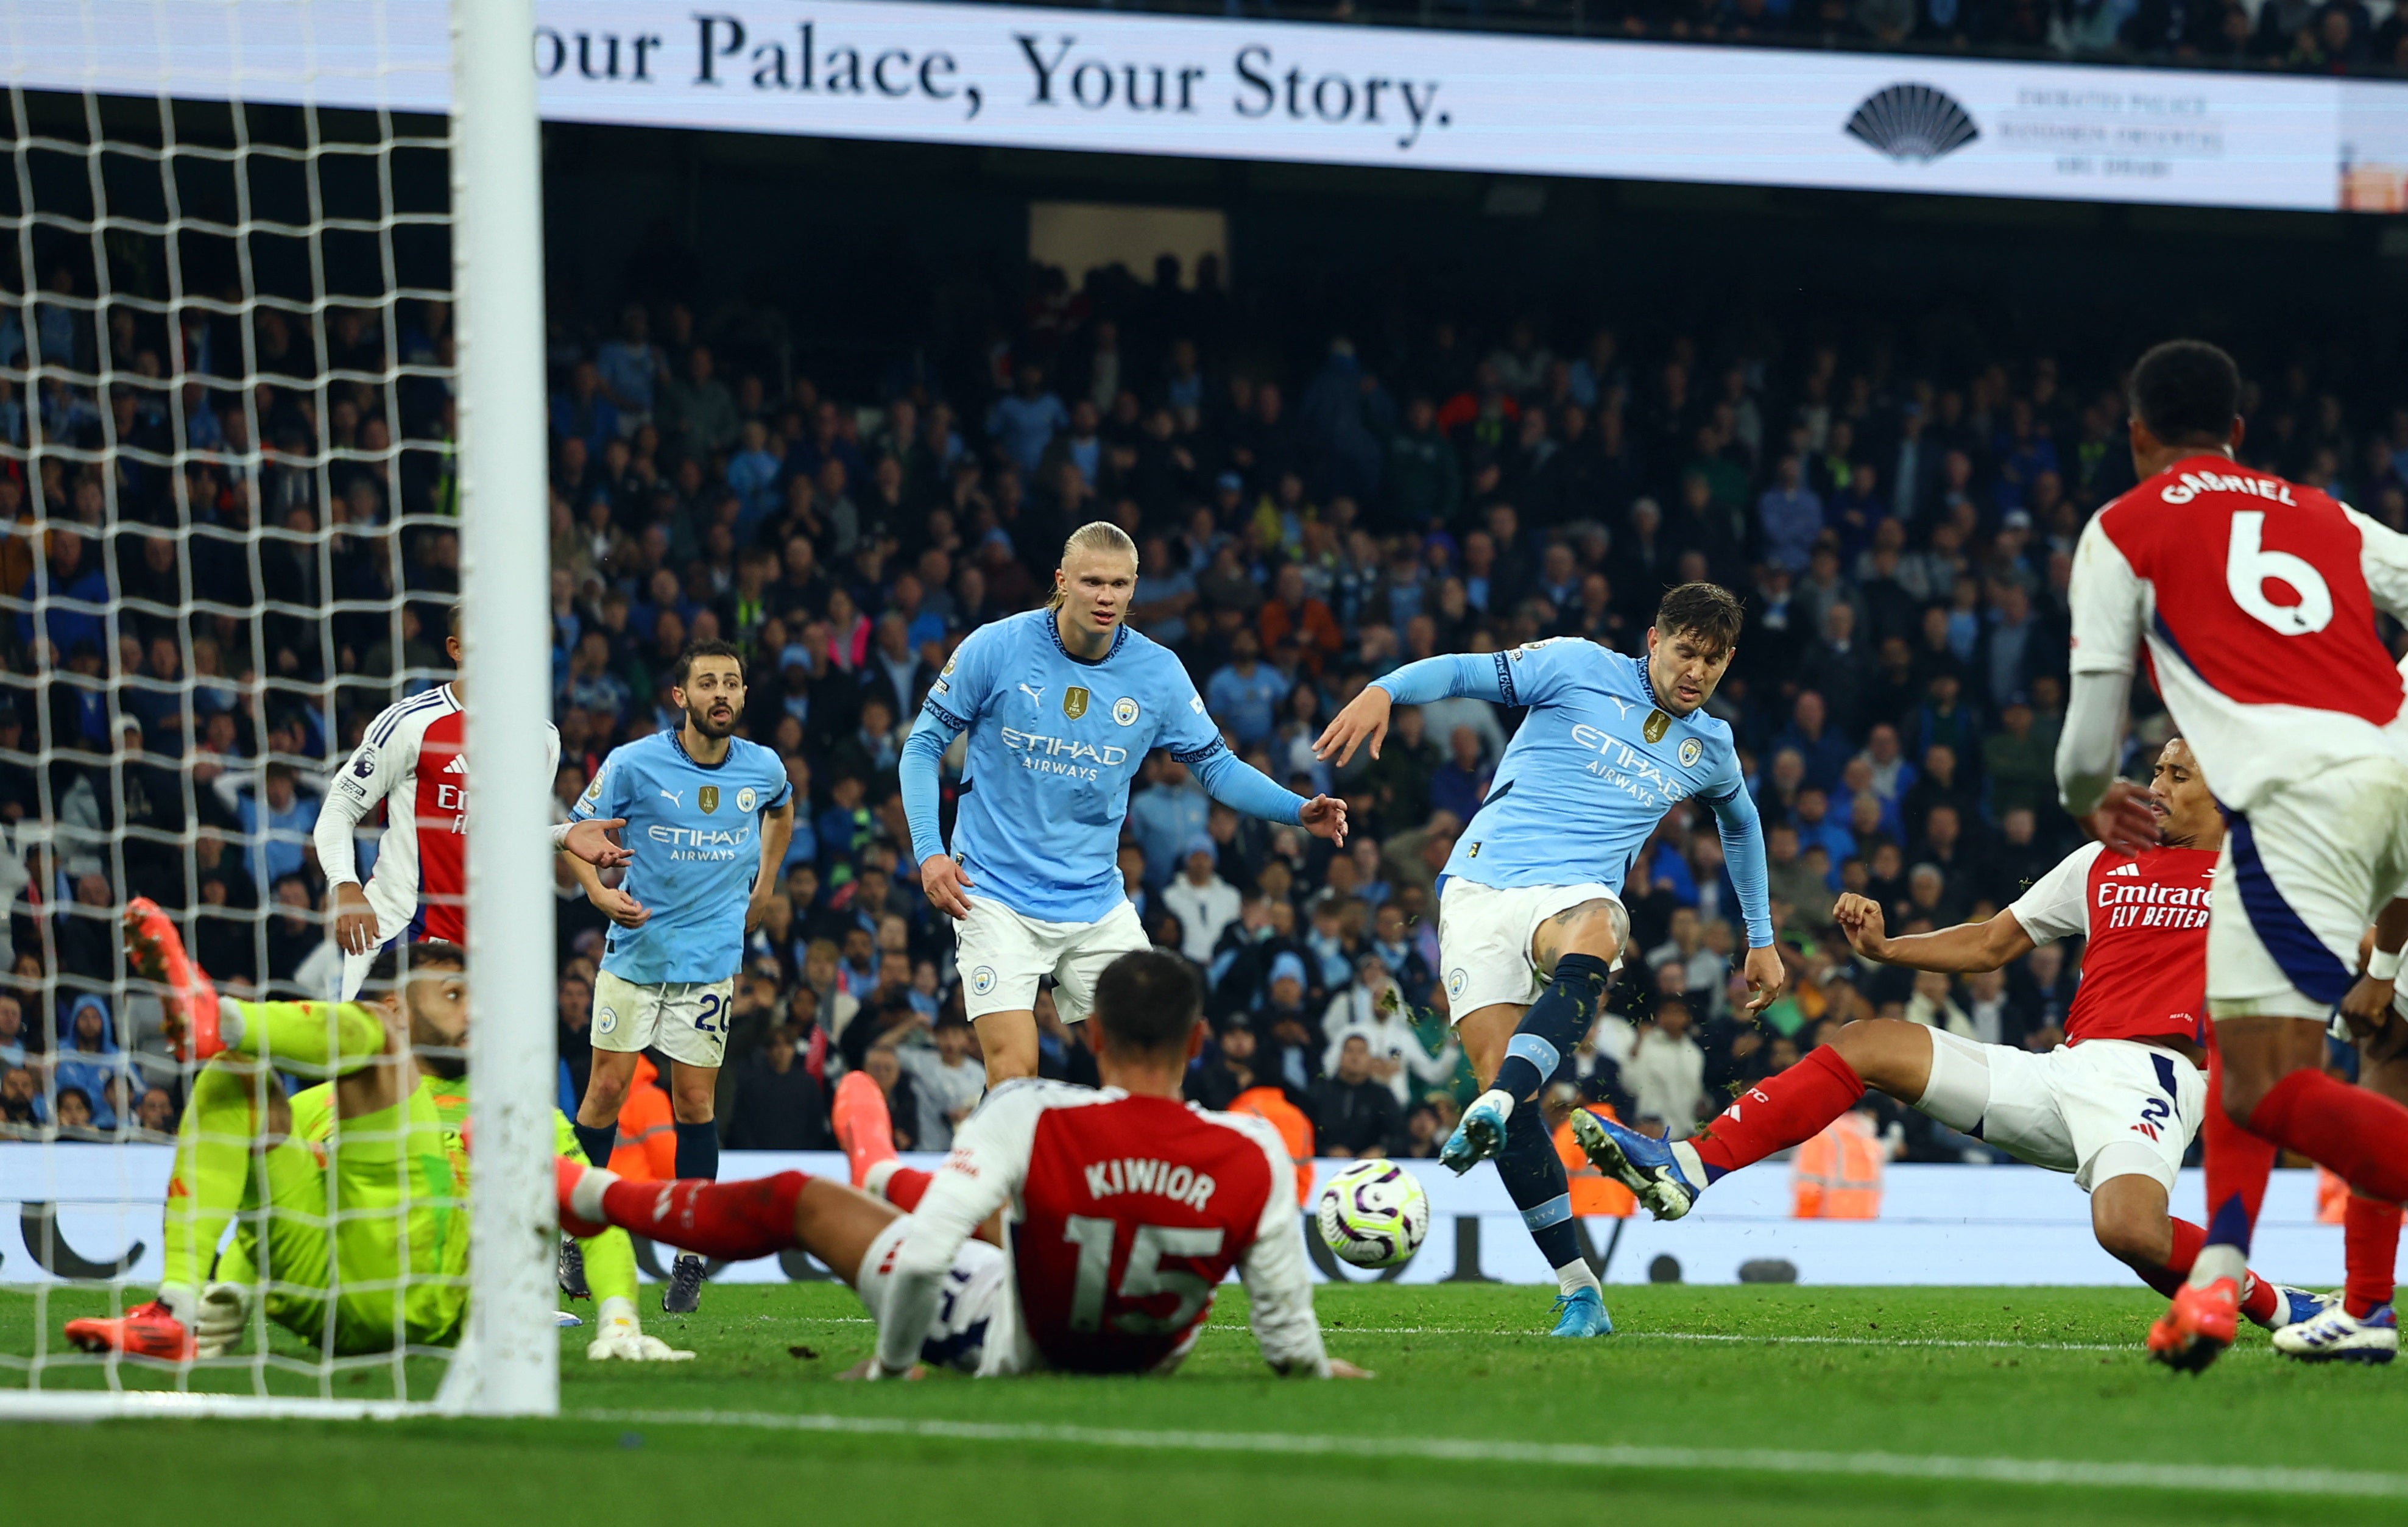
(1692,1165)
(1503,1100)
(2218,1261)
(181,1298)
(874,1181)
(1574,1275)
(585,1199)
(230,1023)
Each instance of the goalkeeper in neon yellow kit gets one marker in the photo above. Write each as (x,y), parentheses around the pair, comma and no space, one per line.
(351,1199)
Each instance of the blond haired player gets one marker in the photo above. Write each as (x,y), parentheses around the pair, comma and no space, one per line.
(1062,705)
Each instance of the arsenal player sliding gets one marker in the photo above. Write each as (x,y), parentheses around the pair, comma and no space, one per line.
(2117,1104)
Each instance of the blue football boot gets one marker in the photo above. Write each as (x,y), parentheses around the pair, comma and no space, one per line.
(1647,1167)
(1582,1313)
(1478,1135)
(2333,1334)
(2295,1306)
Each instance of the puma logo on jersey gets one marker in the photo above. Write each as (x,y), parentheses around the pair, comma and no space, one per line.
(675,797)
(1035,692)
(1132,1174)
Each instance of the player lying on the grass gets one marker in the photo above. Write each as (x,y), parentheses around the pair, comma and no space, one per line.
(2362,1326)
(1118,1213)
(1531,923)
(2117,1104)
(349,1198)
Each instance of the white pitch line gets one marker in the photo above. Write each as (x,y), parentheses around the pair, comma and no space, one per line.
(2221,1479)
(1342,1332)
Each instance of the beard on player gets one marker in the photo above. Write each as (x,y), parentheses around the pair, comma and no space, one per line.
(713,715)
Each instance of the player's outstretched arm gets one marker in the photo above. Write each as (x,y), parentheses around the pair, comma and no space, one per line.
(989,1158)
(1364,717)
(1278,1285)
(591,841)
(1240,787)
(1968,948)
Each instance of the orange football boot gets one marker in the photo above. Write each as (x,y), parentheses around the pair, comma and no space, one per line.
(145,1331)
(155,952)
(862,1124)
(2196,1327)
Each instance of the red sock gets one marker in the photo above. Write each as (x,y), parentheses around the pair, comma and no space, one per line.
(2258,1304)
(2238,1163)
(905,1187)
(2361,1136)
(1780,1112)
(733,1220)
(2370,1236)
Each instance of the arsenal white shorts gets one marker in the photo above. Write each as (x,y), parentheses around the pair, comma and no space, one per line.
(1002,955)
(2103,1108)
(2300,877)
(1483,939)
(685,1021)
(975,1301)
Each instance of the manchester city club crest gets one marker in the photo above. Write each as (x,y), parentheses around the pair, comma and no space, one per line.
(1124,710)
(1658,725)
(747,799)
(1689,751)
(708,799)
(1074,702)
(982,980)
(606,1021)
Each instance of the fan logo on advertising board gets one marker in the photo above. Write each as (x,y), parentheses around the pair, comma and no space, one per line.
(1911,124)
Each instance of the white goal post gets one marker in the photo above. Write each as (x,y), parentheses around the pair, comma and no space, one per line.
(493,474)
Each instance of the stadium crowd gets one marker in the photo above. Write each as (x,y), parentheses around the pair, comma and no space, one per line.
(1901,539)
(2320,37)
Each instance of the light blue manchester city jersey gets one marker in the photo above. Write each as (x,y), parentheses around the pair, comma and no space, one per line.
(1055,742)
(1594,768)
(697,835)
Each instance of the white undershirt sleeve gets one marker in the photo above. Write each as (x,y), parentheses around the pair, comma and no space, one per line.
(1277,1277)
(2383,556)
(987,1164)
(2057,904)
(366,779)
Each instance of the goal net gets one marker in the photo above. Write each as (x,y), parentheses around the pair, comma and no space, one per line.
(270,407)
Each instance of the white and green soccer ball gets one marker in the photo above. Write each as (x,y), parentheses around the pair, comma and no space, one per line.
(1373,1214)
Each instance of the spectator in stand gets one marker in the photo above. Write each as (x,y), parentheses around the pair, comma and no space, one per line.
(948,1080)
(1791,516)
(1245,694)
(1461,784)
(1666,1074)
(779,1105)
(1353,1113)
(1204,903)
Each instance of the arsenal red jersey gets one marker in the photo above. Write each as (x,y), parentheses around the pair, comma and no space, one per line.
(2144,970)
(2255,599)
(1124,1212)
(410,761)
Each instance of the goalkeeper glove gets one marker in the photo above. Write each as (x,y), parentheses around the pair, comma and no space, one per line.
(220,1319)
(618,1335)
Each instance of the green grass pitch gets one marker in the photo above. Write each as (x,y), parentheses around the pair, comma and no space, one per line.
(1939,1383)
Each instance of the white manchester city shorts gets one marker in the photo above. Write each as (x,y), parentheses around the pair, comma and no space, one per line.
(1002,955)
(2103,1108)
(1483,939)
(2301,876)
(685,1021)
(974,1306)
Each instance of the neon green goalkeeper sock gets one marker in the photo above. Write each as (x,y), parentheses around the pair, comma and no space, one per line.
(323,1038)
(205,1190)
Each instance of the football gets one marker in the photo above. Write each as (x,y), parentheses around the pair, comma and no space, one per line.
(1373,1214)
